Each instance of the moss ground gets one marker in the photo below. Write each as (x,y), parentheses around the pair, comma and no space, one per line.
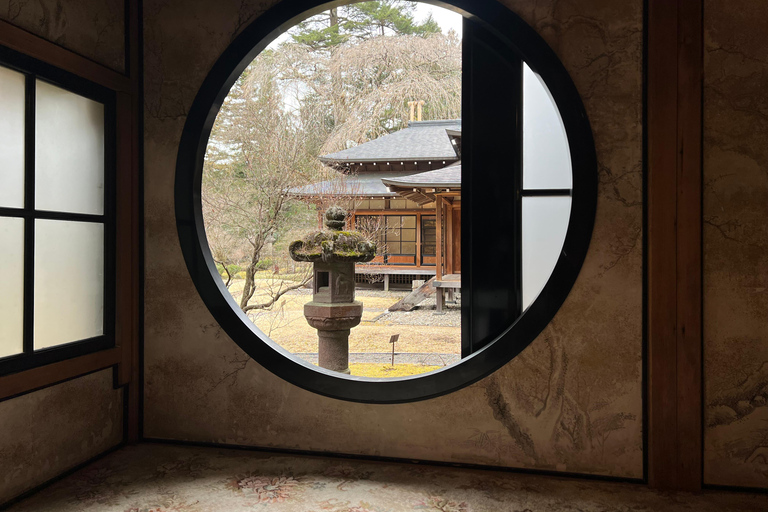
(385,370)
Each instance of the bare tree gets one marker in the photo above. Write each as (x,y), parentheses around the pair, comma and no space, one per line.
(358,92)
(226,247)
(256,154)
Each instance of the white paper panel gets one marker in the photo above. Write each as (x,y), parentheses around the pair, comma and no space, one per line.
(69,152)
(69,282)
(545,222)
(11,138)
(11,286)
(546,156)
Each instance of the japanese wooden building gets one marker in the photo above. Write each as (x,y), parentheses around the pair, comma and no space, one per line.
(405,189)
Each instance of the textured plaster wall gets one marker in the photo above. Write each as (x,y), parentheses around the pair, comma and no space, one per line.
(92,28)
(201,387)
(47,432)
(736,243)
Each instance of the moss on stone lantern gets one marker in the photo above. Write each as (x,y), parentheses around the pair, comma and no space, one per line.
(333,310)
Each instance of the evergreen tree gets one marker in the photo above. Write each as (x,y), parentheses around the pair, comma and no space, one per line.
(361,21)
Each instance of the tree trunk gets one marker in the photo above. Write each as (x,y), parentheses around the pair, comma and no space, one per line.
(334,18)
(338,102)
(249,288)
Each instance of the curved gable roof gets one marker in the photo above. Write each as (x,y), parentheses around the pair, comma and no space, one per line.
(421,141)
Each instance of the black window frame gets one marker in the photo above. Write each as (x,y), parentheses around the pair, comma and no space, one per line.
(496,333)
(34,70)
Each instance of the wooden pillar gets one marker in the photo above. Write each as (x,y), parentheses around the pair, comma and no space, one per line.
(439,231)
(418,240)
(448,238)
(674,92)
(440,246)
(136,414)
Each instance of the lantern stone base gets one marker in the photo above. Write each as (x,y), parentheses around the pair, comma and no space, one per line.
(333,323)
(333,350)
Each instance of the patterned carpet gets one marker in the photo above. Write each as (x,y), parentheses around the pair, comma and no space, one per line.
(163,478)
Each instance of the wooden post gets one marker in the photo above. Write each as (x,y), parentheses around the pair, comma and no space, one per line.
(439,233)
(393,339)
(448,238)
(675,64)
(418,240)
(134,431)
(440,251)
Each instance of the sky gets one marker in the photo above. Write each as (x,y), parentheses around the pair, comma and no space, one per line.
(446,19)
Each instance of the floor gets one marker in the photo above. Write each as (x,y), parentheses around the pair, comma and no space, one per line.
(170,478)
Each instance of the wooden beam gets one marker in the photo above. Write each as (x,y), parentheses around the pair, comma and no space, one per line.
(390,212)
(37,378)
(29,44)
(674,243)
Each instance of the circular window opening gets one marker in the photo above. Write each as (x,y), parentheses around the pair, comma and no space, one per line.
(413,186)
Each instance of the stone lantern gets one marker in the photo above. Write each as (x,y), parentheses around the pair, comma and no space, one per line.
(333,310)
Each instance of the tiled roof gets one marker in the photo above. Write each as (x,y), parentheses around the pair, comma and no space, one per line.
(421,141)
(367,184)
(448,177)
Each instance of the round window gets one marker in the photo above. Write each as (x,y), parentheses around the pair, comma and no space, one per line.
(380,203)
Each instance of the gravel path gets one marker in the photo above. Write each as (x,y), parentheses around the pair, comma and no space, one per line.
(400,358)
(424,314)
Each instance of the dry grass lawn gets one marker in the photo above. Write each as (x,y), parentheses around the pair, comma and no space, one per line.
(286,325)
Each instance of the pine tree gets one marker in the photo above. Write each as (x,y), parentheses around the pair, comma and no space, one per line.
(361,21)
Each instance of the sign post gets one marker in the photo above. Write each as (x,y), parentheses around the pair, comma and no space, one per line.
(393,339)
